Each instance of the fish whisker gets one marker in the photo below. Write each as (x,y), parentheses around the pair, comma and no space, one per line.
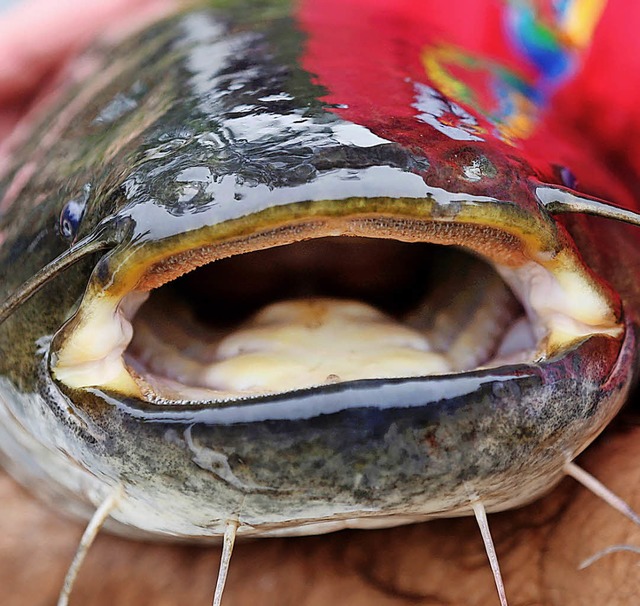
(91,532)
(229,539)
(481,518)
(557,201)
(100,240)
(607,551)
(600,490)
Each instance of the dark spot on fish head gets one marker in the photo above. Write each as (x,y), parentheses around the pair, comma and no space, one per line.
(101,272)
(566,176)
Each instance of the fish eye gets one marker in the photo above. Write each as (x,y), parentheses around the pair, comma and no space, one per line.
(568,178)
(70,218)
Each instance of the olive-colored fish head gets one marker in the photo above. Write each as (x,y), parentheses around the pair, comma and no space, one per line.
(306,319)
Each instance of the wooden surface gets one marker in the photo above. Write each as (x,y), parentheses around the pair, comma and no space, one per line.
(437,563)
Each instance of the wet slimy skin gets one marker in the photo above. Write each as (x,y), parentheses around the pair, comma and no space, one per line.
(189,175)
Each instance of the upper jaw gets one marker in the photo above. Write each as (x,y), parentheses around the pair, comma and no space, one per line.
(564,301)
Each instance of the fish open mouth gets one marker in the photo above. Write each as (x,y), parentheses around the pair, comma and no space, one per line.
(314,303)
(325,311)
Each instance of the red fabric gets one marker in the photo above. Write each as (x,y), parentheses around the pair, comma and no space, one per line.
(368,54)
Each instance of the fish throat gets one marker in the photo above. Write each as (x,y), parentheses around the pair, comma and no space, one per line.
(308,303)
(324,311)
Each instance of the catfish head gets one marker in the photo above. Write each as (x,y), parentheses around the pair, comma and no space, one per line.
(251,289)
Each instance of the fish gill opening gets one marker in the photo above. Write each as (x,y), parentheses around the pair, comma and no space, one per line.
(325,310)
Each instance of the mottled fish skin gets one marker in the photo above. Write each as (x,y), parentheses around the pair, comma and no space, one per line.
(209,118)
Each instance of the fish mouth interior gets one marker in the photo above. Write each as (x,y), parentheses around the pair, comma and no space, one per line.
(327,310)
(308,304)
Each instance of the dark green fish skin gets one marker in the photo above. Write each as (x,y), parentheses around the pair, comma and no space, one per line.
(207,119)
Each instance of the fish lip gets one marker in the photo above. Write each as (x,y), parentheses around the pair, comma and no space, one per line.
(382,394)
(505,231)
(302,404)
